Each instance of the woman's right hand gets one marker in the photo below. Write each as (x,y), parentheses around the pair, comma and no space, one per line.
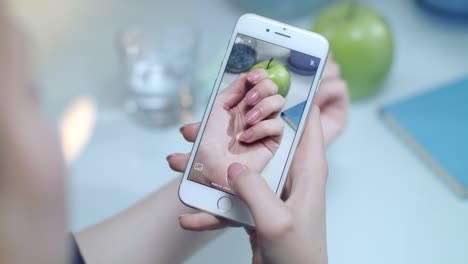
(290,229)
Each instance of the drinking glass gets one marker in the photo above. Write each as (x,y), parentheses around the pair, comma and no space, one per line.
(159,68)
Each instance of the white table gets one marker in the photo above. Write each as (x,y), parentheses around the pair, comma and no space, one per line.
(383,204)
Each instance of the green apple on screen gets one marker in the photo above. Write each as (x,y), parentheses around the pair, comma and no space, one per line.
(277,72)
(361,43)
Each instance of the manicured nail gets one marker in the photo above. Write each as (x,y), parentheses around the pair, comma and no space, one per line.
(252,116)
(252,97)
(253,76)
(173,155)
(248,134)
(180,216)
(235,170)
(169,156)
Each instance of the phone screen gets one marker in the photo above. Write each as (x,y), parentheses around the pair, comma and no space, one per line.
(254,123)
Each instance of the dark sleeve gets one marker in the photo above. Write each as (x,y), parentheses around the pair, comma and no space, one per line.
(76,257)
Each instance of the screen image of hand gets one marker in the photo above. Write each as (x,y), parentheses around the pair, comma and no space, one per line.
(242,127)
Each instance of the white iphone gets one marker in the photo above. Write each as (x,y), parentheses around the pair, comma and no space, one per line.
(274,108)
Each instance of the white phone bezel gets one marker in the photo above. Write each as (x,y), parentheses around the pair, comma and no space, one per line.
(205,198)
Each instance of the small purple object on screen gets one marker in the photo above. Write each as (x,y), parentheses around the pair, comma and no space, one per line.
(303,64)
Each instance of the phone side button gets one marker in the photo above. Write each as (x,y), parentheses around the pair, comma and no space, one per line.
(224,204)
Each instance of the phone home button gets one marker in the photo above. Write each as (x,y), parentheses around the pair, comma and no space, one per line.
(224,204)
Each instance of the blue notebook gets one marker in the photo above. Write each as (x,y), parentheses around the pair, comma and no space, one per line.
(293,115)
(435,125)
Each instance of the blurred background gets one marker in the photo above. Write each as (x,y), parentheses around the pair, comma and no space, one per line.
(100,65)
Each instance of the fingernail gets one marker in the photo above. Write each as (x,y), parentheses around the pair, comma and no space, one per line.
(181,129)
(252,116)
(180,216)
(169,156)
(252,97)
(253,76)
(172,155)
(235,170)
(246,135)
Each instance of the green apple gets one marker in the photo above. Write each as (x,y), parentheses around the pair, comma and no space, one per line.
(361,42)
(277,72)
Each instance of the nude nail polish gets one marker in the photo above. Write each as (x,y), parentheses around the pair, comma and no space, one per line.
(252,97)
(252,116)
(253,76)
(246,135)
(235,170)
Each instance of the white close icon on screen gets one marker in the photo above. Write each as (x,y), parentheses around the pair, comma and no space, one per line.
(198,166)
(312,62)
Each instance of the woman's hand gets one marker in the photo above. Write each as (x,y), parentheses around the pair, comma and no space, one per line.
(333,100)
(291,230)
(243,126)
(302,219)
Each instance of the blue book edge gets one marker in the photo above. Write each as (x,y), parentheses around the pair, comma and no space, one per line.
(425,156)
(293,115)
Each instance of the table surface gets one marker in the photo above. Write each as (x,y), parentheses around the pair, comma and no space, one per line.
(383,204)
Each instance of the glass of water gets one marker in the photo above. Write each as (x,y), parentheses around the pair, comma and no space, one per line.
(159,68)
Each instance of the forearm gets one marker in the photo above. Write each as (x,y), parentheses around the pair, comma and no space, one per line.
(148,232)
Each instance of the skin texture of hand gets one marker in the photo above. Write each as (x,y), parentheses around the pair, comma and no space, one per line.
(243,118)
(297,234)
(333,100)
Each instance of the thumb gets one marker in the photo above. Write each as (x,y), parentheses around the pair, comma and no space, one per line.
(256,194)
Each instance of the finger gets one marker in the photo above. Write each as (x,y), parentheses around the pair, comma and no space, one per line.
(203,221)
(262,90)
(256,76)
(332,70)
(332,90)
(333,101)
(265,108)
(234,93)
(267,128)
(309,160)
(259,198)
(178,161)
(190,131)
(311,147)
